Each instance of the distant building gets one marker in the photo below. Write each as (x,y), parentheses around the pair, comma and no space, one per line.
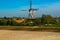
(19,20)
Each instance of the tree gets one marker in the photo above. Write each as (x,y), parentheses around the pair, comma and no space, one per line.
(47,19)
(37,21)
(5,17)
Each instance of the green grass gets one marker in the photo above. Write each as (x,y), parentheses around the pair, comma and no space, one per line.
(18,27)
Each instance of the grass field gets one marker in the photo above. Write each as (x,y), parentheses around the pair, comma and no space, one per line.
(30,28)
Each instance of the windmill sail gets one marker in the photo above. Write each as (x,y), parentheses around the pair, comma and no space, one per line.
(30,4)
(31,11)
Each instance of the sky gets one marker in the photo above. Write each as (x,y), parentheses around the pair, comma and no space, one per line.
(12,8)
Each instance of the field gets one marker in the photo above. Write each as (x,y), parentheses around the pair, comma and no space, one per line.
(28,35)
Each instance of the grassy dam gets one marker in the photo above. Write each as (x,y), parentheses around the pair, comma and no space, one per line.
(53,29)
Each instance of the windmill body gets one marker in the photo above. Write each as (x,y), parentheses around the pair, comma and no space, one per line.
(31,16)
(31,11)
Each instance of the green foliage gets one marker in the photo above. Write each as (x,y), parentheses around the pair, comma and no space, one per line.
(47,19)
(58,24)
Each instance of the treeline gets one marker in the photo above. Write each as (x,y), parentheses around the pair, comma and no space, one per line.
(44,20)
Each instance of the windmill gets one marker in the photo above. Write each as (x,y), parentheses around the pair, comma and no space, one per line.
(31,11)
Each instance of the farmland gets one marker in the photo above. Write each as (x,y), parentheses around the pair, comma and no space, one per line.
(28,35)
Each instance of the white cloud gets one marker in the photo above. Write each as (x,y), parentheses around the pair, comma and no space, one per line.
(53,9)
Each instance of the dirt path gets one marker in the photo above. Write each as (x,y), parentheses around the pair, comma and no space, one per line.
(28,35)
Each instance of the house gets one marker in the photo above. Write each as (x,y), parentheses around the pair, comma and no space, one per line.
(19,20)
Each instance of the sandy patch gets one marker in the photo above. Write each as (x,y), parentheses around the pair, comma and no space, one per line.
(28,35)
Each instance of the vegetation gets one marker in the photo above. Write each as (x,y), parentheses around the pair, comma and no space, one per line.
(45,20)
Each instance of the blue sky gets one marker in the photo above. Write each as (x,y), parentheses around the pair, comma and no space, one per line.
(11,8)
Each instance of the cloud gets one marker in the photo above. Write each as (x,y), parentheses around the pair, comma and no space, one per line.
(52,9)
